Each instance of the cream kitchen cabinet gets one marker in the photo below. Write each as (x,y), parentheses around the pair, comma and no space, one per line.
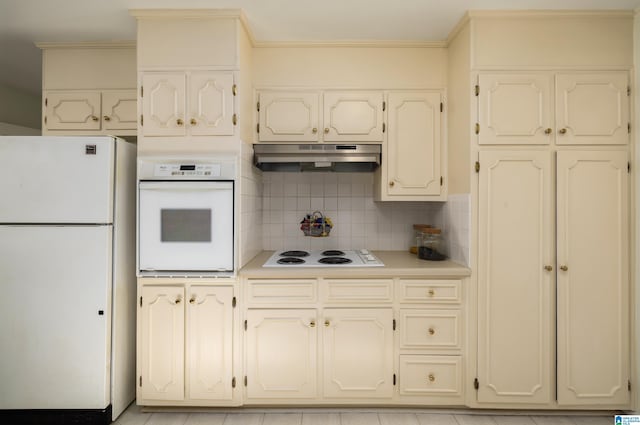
(411,168)
(191,103)
(90,112)
(185,344)
(519,274)
(544,108)
(320,116)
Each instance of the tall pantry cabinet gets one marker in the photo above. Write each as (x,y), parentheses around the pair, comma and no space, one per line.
(550,184)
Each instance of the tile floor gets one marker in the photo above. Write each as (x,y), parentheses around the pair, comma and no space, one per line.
(134,416)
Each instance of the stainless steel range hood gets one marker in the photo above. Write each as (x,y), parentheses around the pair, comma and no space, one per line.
(316,157)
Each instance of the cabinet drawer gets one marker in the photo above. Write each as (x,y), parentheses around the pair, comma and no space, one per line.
(431,291)
(281,291)
(431,375)
(358,290)
(430,329)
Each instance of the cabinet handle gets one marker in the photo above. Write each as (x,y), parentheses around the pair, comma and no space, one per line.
(548,268)
(432,377)
(178,300)
(94,118)
(548,131)
(564,268)
(312,324)
(193,121)
(431,292)
(327,323)
(107,118)
(326,131)
(432,331)
(314,130)
(562,131)
(179,121)
(192,300)
(392,183)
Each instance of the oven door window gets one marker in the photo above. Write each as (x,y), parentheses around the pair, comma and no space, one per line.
(185,226)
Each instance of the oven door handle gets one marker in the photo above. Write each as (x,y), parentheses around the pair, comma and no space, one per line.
(203,185)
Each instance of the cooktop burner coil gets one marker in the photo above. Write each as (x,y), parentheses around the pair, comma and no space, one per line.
(333,253)
(295,254)
(334,260)
(291,260)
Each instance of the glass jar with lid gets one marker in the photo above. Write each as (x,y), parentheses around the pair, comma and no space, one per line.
(430,246)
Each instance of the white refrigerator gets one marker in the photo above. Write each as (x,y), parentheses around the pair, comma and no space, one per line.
(67,278)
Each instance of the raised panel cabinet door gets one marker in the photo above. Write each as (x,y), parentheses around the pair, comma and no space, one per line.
(593,278)
(281,354)
(515,277)
(163,104)
(515,109)
(358,353)
(288,117)
(592,109)
(353,116)
(211,104)
(413,146)
(209,342)
(72,110)
(161,362)
(119,110)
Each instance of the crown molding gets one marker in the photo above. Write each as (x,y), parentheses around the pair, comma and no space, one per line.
(561,13)
(416,44)
(125,44)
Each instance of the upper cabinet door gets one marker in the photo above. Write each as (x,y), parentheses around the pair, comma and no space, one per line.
(288,117)
(119,110)
(163,104)
(592,109)
(412,163)
(593,278)
(72,110)
(515,109)
(353,116)
(211,104)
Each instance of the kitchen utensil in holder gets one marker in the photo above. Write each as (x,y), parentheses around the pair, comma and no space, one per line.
(316,225)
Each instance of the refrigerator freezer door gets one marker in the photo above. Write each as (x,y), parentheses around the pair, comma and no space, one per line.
(56,179)
(55,317)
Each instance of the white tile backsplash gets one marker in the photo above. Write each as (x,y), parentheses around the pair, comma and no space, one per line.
(457,225)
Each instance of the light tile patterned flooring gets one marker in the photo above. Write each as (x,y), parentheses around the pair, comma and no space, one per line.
(134,416)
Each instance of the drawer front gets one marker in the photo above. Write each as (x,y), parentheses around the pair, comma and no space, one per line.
(431,375)
(357,290)
(430,329)
(431,291)
(281,291)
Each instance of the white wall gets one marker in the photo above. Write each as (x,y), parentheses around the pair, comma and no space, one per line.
(19,108)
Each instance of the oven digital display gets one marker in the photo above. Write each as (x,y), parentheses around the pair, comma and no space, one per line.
(185,225)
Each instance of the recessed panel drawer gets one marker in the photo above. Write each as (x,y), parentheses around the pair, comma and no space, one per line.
(431,291)
(357,290)
(430,329)
(281,291)
(431,375)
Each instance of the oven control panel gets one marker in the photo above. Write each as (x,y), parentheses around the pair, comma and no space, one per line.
(187,170)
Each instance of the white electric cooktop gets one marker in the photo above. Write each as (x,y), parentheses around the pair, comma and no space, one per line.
(324,258)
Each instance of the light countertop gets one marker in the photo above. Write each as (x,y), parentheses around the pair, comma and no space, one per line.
(396,264)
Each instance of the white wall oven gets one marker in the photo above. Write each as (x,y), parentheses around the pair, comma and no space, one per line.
(186,216)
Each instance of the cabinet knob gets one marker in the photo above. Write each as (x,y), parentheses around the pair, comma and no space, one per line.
(562,131)
(392,183)
(548,131)
(178,300)
(327,323)
(548,268)
(179,121)
(564,268)
(326,131)
(192,300)
(431,292)
(106,118)
(193,121)
(94,118)
(432,331)
(432,377)
(314,130)
(312,324)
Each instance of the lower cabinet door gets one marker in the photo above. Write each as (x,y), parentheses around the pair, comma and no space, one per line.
(430,375)
(161,352)
(281,354)
(358,350)
(209,348)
